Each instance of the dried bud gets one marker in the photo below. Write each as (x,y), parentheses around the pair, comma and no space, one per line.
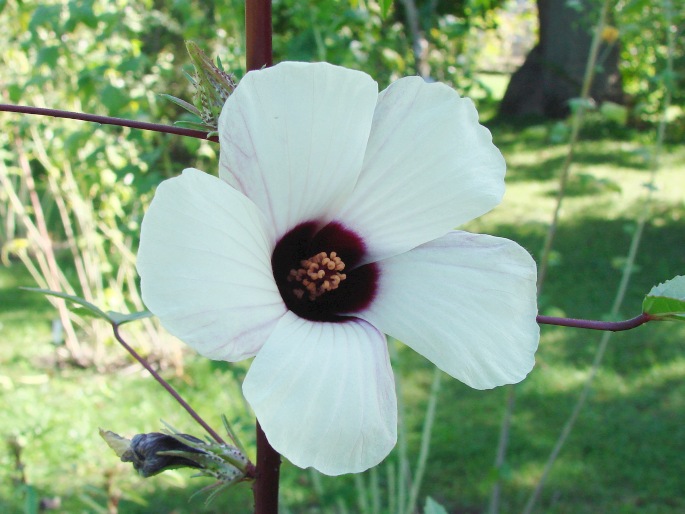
(153,453)
(147,452)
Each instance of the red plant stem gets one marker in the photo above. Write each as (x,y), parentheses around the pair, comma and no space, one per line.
(259,55)
(265,486)
(258,34)
(107,120)
(166,385)
(611,326)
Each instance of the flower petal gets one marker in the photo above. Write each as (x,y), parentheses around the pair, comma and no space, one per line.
(205,267)
(293,139)
(465,301)
(429,167)
(324,394)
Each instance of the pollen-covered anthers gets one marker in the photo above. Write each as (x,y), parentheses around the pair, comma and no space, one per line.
(318,275)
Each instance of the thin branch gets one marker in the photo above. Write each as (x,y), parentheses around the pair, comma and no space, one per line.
(108,120)
(167,386)
(609,326)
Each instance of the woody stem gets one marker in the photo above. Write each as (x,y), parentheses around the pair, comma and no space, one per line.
(259,55)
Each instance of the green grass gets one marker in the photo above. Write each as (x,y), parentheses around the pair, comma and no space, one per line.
(623,457)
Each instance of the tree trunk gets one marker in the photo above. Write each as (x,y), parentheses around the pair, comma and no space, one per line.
(553,71)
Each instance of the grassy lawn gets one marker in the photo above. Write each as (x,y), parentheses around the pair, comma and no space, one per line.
(625,455)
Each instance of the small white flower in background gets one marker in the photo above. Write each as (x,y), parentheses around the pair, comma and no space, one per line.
(331,225)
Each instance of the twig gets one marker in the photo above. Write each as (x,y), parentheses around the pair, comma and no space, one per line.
(609,326)
(166,385)
(107,120)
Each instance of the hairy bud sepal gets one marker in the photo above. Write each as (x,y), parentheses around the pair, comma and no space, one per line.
(213,85)
(156,452)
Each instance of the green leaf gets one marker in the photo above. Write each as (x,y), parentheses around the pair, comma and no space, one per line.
(15,93)
(119,444)
(193,125)
(74,299)
(84,312)
(48,55)
(385,7)
(614,112)
(31,502)
(114,98)
(586,104)
(182,103)
(120,318)
(89,309)
(81,12)
(666,301)
(433,507)
(45,15)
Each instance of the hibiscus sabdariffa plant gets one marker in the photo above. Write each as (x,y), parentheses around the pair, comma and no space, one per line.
(332,224)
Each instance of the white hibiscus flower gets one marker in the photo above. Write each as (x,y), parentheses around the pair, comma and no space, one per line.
(331,225)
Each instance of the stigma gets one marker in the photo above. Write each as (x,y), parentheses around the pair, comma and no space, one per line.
(317,275)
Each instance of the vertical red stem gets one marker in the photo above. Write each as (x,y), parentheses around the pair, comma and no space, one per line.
(259,55)
(258,34)
(267,476)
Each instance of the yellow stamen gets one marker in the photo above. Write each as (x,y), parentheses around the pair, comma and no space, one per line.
(317,275)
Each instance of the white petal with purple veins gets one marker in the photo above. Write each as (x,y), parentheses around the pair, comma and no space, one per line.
(324,394)
(293,139)
(205,268)
(429,167)
(465,301)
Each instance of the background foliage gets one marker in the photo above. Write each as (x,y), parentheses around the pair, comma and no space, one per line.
(115,57)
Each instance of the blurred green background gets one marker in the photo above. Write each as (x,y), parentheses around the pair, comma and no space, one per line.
(73,195)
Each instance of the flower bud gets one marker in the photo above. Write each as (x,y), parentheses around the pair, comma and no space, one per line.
(212,84)
(155,452)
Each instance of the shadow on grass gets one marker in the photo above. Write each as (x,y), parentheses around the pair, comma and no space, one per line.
(621,456)
(549,168)
(589,254)
(538,130)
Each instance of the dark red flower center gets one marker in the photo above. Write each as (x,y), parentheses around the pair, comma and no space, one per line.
(317,272)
